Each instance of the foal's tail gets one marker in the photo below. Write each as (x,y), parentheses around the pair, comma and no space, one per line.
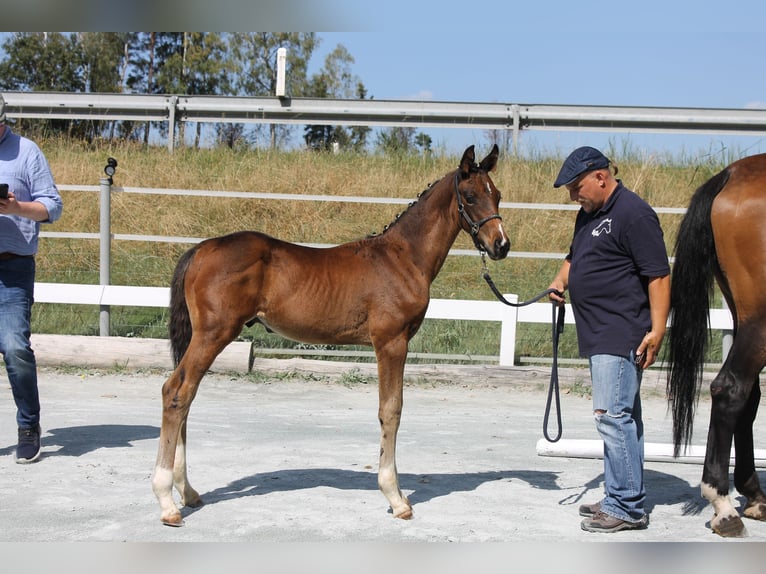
(690,293)
(179,326)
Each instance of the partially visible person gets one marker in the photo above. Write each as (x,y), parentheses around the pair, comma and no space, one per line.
(618,278)
(32,198)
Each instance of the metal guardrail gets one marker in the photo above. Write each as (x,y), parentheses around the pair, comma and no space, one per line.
(492,116)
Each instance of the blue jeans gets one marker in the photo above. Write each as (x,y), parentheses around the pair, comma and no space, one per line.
(17,281)
(616,385)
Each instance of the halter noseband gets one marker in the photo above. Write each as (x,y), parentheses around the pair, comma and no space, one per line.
(473,226)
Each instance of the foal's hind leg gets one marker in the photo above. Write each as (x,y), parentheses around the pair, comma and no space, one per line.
(175,408)
(391,358)
(178,392)
(745,478)
(189,496)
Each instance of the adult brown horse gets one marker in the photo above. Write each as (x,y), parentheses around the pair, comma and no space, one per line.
(722,236)
(374,291)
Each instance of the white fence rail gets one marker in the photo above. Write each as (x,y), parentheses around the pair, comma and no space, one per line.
(463,310)
(106,295)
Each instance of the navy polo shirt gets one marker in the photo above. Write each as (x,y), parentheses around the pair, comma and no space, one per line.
(614,253)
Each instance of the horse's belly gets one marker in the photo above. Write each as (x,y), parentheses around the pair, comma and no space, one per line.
(318,330)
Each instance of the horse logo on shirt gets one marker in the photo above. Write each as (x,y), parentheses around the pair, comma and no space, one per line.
(604,227)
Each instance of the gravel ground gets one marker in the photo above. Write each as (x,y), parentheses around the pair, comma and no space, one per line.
(290,456)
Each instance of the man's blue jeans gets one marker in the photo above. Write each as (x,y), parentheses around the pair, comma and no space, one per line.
(616,385)
(17,281)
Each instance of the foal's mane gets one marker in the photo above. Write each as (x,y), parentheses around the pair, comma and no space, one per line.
(421,196)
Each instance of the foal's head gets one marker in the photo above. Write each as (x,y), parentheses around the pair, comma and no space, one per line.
(478,201)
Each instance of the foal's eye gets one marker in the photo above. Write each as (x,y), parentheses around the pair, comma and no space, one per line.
(470,198)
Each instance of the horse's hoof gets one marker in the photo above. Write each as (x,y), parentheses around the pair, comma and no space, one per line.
(193,502)
(756,511)
(404,515)
(173,520)
(729,527)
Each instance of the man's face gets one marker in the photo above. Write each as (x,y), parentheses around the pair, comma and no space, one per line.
(588,191)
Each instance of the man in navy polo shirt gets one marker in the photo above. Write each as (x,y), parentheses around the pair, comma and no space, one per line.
(618,278)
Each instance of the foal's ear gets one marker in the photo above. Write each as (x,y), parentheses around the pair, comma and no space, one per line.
(469,158)
(489,162)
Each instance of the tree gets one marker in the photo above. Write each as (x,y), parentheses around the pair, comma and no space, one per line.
(199,67)
(335,80)
(255,58)
(45,61)
(396,140)
(423,141)
(106,61)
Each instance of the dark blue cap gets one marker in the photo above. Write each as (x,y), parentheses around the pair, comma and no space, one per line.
(580,161)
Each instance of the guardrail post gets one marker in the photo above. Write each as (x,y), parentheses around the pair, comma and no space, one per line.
(105,246)
(172,105)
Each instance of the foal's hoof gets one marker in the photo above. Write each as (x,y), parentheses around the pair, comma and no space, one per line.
(729,527)
(194,503)
(404,511)
(174,520)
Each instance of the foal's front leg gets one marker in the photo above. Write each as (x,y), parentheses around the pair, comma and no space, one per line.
(391,359)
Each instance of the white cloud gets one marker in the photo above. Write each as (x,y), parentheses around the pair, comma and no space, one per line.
(755,106)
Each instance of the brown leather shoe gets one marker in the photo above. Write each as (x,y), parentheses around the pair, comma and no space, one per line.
(590,509)
(602,522)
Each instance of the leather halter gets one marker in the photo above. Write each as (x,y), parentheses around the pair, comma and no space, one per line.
(473,226)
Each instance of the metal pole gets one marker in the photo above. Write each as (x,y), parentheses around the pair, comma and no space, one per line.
(516,118)
(172,104)
(105,243)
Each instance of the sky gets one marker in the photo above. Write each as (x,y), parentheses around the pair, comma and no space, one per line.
(669,53)
(702,54)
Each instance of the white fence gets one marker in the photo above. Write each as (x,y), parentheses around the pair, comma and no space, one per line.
(106,295)
(509,317)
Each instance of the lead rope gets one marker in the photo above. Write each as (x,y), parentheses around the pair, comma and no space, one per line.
(557,327)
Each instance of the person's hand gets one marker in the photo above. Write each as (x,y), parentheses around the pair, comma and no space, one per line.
(557,295)
(648,349)
(9,206)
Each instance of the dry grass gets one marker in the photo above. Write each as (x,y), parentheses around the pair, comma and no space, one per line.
(138,263)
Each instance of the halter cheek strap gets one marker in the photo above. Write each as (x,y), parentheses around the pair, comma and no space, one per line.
(473,226)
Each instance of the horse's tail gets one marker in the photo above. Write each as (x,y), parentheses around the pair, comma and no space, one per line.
(179,326)
(690,293)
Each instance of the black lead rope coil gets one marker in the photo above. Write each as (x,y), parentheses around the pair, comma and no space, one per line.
(557,327)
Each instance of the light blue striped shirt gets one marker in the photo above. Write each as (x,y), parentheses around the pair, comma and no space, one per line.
(24,168)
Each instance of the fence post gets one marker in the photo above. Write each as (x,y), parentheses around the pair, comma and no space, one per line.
(105,245)
(727,338)
(508,318)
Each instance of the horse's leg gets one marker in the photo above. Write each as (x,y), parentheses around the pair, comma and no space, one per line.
(189,496)
(745,478)
(731,391)
(178,392)
(174,411)
(391,358)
